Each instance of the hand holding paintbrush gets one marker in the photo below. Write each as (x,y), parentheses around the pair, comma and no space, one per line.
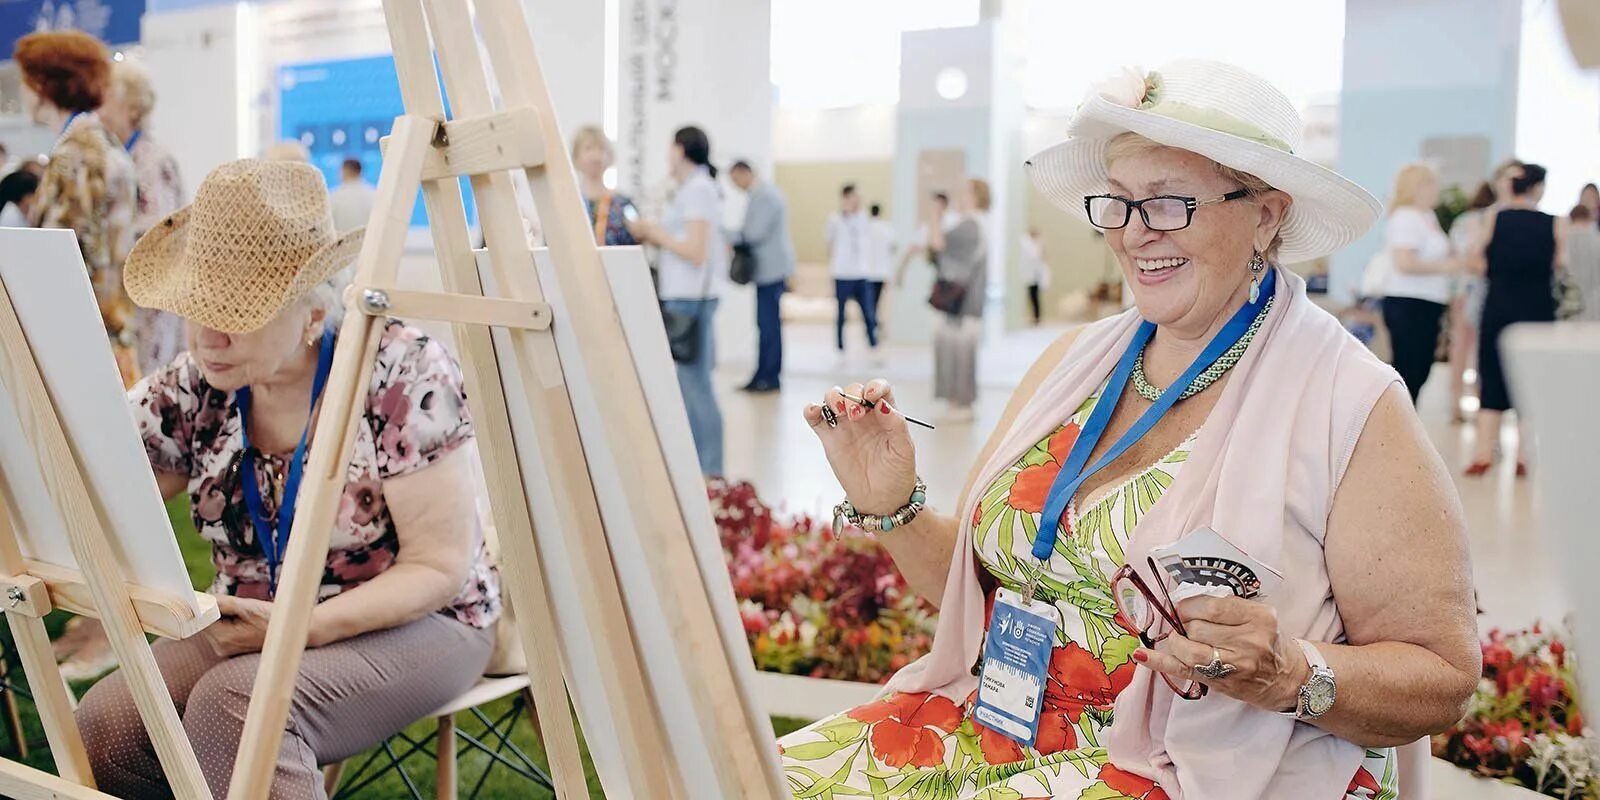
(868,444)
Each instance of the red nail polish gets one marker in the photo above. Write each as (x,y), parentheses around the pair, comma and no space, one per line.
(1140,656)
(838,405)
(883,408)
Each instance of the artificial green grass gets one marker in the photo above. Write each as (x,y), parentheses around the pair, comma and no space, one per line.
(501,784)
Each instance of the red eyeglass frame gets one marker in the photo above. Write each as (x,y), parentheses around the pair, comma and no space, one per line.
(1168,611)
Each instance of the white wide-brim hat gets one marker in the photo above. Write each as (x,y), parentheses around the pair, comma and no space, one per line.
(1226,114)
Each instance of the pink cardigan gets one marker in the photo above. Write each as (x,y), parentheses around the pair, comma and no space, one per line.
(1263,474)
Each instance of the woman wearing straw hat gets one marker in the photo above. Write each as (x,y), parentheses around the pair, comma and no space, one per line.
(1208,552)
(408,600)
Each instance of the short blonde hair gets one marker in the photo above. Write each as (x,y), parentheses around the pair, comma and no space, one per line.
(286,150)
(1408,185)
(1132,144)
(593,135)
(131,82)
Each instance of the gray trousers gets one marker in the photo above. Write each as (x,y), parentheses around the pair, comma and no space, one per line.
(350,696)
(955,359)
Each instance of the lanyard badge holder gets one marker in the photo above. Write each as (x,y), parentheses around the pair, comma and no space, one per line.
(274,541)
(1016,652)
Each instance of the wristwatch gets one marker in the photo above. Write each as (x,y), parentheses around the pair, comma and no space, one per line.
(1319,691)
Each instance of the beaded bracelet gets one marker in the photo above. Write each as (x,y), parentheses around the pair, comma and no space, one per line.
(846,513)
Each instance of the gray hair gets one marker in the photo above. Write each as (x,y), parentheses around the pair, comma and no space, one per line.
(328,297)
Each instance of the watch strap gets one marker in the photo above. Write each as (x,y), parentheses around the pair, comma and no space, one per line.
(1313,655)
(1319,665)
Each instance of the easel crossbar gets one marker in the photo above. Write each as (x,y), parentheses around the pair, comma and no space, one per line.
(465,309)
(497,142)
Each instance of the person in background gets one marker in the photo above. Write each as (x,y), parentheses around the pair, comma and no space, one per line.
(1419,286)
(1583,259)
(1466,306)
(352,200)
(1035,269)
(592,155)
(7,165)
(846,237)
(937,208)
(693,269)
(766,231)
(963,259)
(89,185)
(880,256)
(1519,250)
(1589,197)
(159,193)
(17,191)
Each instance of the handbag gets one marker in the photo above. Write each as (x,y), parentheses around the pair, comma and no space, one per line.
(1569,300)
(742,269)
(1375,280)
(683,330)
(947,296)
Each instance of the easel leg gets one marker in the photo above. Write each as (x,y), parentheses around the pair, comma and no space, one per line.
(445,785)
(13,718)
(50,697)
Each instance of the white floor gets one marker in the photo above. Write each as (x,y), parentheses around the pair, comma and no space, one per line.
(769,444)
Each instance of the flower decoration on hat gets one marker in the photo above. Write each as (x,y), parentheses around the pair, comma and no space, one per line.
(1131,88)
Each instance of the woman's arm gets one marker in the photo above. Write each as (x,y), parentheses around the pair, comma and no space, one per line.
(171,484)
(1397,559)
(1477,260)
(435,517)
(692,246)
(1563,244)
(1407,262)
(922,552)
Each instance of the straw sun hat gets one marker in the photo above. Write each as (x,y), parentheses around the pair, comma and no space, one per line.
(258,237)
(1225,114)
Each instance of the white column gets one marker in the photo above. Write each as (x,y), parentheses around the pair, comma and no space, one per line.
(202,63)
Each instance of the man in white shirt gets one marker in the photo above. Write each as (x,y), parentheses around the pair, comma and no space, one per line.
(847,237)
(351,200)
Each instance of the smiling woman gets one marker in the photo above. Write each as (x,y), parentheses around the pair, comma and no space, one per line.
(1225,407)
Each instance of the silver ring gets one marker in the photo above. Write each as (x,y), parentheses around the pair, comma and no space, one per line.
(1216,669)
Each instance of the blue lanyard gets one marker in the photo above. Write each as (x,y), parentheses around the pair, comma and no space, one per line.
(133,140)
(1073,474)
(70,120)
(274,543)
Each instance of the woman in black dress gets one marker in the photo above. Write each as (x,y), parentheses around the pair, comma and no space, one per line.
(1519,252)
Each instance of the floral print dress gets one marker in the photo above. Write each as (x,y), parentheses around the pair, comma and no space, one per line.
(923,745)
(416,414)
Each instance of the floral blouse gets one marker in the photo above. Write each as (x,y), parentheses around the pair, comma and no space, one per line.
(90,187)
(160,188)
(416,414)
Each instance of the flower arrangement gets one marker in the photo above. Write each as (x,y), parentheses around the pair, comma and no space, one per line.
(814,604)
(1523,725)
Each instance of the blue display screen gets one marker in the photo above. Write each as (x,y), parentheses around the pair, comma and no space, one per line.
(339,110)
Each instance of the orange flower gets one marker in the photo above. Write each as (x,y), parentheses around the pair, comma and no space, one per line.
(907,728)
(1135,786)
(997,747)
(1032,485)
(1061,442)
(1077,680)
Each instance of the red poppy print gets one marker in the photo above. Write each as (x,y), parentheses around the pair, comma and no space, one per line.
(1134,786)
(1363,785)
(908,728)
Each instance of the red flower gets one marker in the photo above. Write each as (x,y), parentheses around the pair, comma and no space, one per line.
(1032,485)
(997,747)
(1077,680)
(1363,780)
(1574,723)
(907,728)
(1061,442)
(1559,651)
(1135,786)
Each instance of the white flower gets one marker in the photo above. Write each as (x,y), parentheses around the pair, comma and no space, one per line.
(808,634)
(1126,88)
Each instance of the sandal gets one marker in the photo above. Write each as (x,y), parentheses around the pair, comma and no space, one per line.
(1478,469)
(1522,469)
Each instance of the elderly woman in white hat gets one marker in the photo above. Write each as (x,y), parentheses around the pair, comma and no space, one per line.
(1208,552)
(408,598)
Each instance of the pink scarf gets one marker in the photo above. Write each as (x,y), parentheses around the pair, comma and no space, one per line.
(1262,474)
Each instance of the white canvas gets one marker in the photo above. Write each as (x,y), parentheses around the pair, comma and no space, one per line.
(43,271)
(1555,377)
(694,752)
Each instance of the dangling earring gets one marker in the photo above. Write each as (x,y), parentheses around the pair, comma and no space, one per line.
(1258,265)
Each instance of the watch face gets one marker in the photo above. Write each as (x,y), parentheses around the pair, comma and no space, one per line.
(1319,697)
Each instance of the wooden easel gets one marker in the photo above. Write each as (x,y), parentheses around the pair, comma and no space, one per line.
(29,590)
(487,144)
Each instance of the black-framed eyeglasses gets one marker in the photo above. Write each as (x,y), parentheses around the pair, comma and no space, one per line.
(1143,609)
(1165,213)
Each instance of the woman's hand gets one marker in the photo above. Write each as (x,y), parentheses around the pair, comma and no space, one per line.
(871,450)
(243,627)
(1269,667)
